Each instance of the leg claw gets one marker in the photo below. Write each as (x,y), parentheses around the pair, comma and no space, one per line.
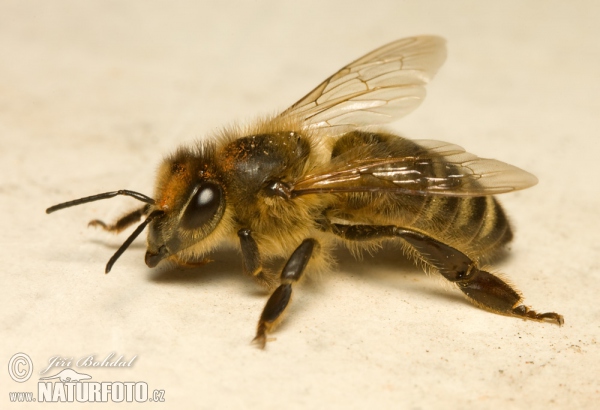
(524,312)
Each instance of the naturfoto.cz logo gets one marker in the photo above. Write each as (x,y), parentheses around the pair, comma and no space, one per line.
(69,385)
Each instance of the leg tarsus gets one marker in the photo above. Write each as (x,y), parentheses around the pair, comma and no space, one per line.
(272,314)
(98,223)
(123,222)
(526,313)
(189,263)
(260,340)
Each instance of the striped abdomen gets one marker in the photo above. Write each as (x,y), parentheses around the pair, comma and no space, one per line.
(477,226)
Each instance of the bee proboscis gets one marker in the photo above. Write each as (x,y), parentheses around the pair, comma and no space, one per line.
(287,189)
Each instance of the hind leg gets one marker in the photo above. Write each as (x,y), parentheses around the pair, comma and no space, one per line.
(482,288)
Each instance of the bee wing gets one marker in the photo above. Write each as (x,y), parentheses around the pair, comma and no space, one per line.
(385,84)
(439,169)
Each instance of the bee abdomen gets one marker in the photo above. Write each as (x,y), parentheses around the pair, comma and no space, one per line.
(480,225)
(476,225)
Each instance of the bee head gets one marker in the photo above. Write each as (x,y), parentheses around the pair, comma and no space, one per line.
(184,217)
(191,196)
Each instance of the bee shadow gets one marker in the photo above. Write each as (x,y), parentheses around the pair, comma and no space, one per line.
(222,266)
(115,245)
(387,268)
(390,268)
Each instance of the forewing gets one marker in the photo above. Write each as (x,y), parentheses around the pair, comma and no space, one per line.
(439,169)
(379,87)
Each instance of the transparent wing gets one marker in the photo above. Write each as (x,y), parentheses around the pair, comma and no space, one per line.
(439,169)
(385,84)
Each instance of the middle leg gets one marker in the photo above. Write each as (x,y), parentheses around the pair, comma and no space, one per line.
(279,300)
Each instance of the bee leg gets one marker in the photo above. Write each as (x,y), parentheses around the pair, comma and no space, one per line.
(251,260)
(123,222)
(481,287)
(280,298)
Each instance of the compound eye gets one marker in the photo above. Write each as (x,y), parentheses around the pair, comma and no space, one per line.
(204,205)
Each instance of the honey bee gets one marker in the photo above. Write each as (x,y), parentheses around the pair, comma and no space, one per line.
(290,188)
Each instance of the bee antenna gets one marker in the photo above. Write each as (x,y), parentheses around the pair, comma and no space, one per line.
(131,238)
(106,195)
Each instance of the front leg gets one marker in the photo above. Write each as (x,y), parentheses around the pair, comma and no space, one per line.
(124,221)
(292,272)
(251,260)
